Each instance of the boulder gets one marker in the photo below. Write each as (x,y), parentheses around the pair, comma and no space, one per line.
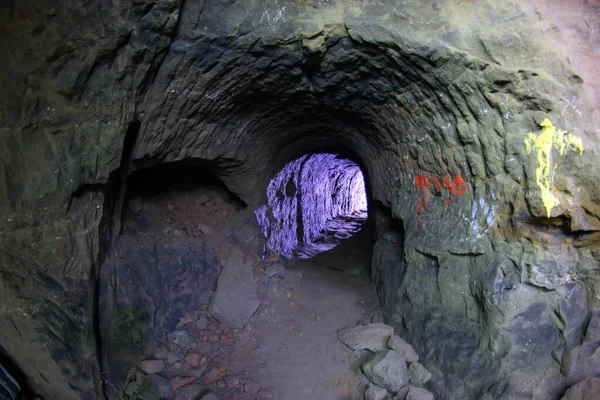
(235,299)
(372,337)
(152,366)
(276,270)
(155,387)
(401,395)
(418,374)
(386,369)
(405,350)
(375,392)
(418,393)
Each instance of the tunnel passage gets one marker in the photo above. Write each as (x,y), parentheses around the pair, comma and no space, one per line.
(314,202)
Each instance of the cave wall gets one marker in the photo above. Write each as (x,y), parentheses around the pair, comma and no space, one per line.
(442,101)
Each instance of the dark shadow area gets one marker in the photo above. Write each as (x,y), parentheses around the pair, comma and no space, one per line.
(11,370)
(179,176)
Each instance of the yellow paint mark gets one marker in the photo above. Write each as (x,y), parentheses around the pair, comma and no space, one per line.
(544,142)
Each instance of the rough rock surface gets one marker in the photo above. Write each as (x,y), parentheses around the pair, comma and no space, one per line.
(406,351)
(386,369)
(494,282)
(588,389)
(418,374)
(235,299)
(372,337)
(375,392)
(418,393)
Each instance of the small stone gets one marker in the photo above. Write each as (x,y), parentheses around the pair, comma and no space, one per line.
(196,234)
(167,230)
(202,348)
(179,232)
(206,230)
(171,207)
(186,320)
(417,393)
(221,385)
(202,200)
(405,350)
(152,366)
(402,393)
(181,339)
(155,387)
(377,318)
(161,353)
(375,392)
(131,389)
(386,369)
(173,357)
(214,375)
(202,323)
(179,382)
(418,374)
(135,204)
(318,317)
(276,270)
(373,337)
(232,381)
(213,338)
(193,359)
(210,396)
(251,387)
(191,392)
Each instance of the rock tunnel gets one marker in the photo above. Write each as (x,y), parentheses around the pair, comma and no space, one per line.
(149,149)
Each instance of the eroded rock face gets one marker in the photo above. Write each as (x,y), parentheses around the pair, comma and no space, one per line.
(471,125)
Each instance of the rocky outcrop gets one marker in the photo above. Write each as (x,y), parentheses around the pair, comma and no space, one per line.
(473,128)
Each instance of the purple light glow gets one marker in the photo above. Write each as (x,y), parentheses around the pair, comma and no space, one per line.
(313,203)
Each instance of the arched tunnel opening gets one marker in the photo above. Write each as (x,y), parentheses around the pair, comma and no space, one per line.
(314,202)
(182,214)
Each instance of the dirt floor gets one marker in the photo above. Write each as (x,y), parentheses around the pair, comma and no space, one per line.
(289,348)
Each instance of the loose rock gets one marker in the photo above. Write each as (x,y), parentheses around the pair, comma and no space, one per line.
(152,366)
(180,382)
(202,323)
(375,392)
(417,393)
(206,230)
(276,270)
(373,337)
(181,339)
(193,359)
(387,369)
(155,387)
(235,299)
(405,350)
(418,374)
(401,395)
(251,387)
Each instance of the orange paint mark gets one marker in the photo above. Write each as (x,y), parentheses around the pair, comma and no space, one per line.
(455,187)
(461,186)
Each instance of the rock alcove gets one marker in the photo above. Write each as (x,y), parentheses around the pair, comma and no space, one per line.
(476,126)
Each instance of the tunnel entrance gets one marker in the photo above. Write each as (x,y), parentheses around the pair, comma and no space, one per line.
(314,202)
(194,300)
